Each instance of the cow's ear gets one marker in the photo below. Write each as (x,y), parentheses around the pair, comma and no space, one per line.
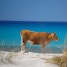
(51,35)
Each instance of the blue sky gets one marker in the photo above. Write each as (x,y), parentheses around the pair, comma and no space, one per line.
(33,10)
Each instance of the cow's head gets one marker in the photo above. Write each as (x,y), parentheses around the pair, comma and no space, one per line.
(53,36)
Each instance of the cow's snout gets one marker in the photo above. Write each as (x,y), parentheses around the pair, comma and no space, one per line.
(58,39)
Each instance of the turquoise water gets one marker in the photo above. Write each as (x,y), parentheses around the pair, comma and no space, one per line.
(10,32)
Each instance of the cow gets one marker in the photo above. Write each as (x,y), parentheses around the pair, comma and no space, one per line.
(36,38)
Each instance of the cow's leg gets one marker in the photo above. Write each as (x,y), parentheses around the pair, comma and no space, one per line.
(43,46)
(24,47)
(31,43)
(42,50)
(23,44)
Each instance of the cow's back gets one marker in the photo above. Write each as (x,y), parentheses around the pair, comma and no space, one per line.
(37,38)
(44,35)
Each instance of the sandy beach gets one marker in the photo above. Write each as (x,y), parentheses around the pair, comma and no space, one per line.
(29,59)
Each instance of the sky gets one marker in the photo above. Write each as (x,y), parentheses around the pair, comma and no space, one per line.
(33,10)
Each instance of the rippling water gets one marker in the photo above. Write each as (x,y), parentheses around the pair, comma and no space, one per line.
(10,34)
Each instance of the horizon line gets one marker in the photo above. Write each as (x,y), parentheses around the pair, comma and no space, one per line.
(32,21)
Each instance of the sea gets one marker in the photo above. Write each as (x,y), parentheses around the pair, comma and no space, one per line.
(10,39)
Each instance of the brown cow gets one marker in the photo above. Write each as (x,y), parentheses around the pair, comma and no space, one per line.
(41,38)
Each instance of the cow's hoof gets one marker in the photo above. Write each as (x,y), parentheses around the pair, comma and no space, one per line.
(26,51)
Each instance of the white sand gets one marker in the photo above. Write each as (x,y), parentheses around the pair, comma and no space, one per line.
(30,59)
